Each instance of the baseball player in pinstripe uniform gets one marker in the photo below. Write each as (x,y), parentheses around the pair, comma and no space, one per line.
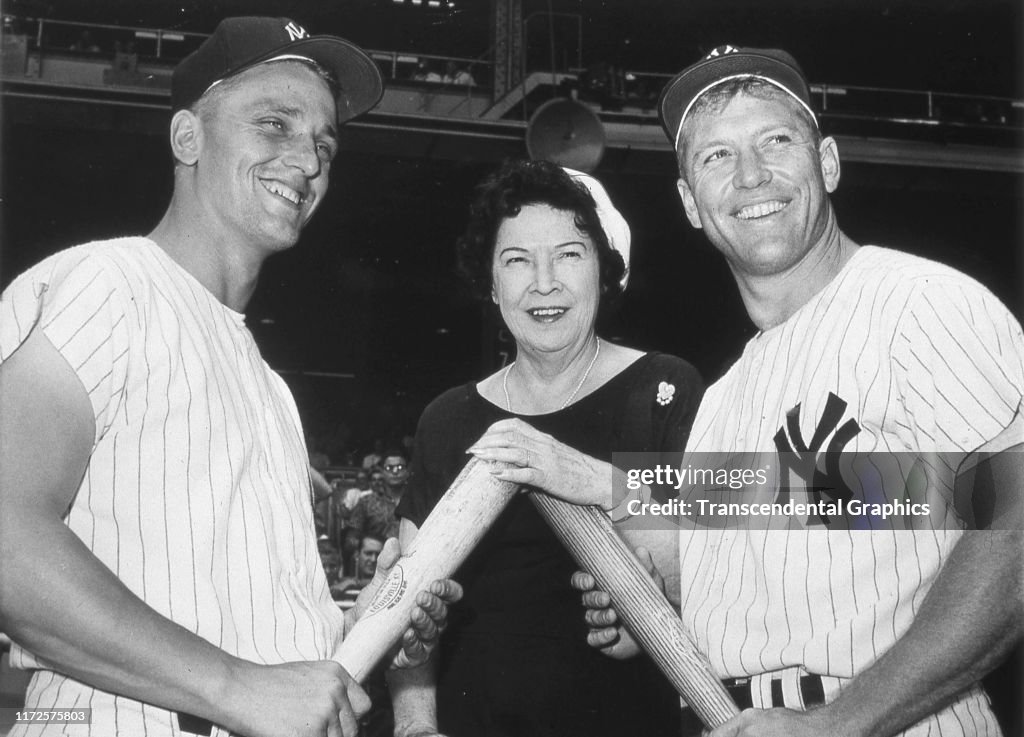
(159,561)
(863,350)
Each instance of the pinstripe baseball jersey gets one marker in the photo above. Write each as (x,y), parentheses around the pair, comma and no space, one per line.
(197,490)
(897,354)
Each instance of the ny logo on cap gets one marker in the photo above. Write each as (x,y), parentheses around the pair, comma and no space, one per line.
(721,51)
(295,31)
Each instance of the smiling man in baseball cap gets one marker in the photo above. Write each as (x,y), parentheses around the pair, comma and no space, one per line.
(823,626)
(170,516)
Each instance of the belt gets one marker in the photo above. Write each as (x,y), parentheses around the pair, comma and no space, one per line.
(812,692)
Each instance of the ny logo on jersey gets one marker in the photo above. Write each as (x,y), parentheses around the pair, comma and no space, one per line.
(801,458)
(295,31)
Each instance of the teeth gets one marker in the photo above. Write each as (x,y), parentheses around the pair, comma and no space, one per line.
(284,191)
(760,210)
(547,311)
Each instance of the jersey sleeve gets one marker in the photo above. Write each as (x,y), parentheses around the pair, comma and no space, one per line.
(959,354)
(79,303)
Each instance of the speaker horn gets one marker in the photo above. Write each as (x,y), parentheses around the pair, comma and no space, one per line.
(566,132)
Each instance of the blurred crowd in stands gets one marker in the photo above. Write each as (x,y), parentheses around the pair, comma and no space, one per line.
(354,510)
(427,71)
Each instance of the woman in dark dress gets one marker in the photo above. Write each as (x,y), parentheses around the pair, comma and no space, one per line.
(547,247)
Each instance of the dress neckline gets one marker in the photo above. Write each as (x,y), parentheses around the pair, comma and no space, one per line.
(633,366)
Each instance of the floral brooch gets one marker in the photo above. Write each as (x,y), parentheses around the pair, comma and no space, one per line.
(666,393)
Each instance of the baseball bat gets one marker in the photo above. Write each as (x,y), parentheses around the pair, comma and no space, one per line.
(589,537)
(453,528)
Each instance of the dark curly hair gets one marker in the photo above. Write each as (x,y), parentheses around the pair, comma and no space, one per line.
(503,195)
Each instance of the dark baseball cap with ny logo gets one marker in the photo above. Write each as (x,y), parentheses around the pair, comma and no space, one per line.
(724,63)
(241,43)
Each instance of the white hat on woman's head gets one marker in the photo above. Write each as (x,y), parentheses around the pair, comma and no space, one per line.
(615,226)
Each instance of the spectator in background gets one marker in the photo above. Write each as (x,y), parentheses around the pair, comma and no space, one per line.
(396,471)
(350,496)
(426,73)
(375,512)
(346,590)
(126,61)
(86,42)
(454,74)
(330,559)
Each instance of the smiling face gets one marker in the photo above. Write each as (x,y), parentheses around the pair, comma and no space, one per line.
(546,279)
(757,181)
(267,142)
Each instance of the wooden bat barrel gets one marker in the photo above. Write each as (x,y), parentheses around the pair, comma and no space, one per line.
(589,537)
(453,528)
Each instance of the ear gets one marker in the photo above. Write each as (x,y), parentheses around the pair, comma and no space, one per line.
(186,137)
(689,203)
(828,152)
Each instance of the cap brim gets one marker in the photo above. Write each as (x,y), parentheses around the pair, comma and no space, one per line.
(359,78)
(681,89)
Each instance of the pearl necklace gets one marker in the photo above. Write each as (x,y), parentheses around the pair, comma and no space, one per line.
(586,374)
